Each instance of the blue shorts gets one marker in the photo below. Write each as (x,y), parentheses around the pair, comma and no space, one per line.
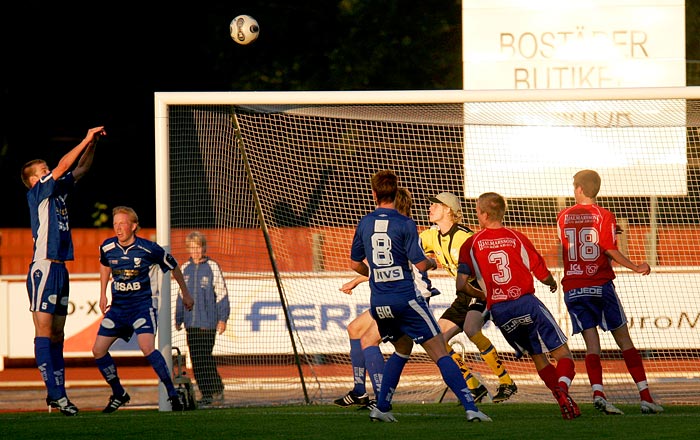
(528,325)
(595,306)
(123,323)
(48,287)
(397,317)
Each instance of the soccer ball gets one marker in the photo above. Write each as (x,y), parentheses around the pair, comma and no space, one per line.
(244,29)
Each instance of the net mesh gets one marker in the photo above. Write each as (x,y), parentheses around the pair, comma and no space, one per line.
(309,167)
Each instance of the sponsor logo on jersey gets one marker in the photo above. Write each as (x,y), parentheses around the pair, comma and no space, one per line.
(498,295)
(125,274)
(126,287)
(386,274)
(586,218)
(574,269)
(515,292)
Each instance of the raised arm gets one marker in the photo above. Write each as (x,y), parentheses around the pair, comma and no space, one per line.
(68,159)
(85,161)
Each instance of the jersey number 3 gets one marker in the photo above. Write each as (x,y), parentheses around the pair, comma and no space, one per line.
(503,274)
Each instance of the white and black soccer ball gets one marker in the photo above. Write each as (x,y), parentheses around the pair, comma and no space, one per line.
(244,29)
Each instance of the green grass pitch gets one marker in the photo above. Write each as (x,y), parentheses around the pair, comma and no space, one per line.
(416,422)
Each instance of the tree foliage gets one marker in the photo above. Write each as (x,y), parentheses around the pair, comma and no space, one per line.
(69,67)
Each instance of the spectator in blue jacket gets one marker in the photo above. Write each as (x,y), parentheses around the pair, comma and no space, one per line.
(206,284)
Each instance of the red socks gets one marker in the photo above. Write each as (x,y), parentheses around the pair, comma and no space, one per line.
(594,369)
(636,368)
(549,376)
(566,369)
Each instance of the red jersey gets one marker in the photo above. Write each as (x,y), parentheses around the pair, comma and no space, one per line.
(503,261)
(586,232)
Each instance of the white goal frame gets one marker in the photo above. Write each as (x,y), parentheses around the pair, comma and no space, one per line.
(163,100)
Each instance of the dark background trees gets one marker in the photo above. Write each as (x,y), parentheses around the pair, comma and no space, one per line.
(66,69)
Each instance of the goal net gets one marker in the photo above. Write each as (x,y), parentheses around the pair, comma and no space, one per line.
(278,181)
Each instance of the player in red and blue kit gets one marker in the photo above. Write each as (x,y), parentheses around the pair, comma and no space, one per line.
(134,264)
(389,242)
(47,279)
(588,234)
(503,261)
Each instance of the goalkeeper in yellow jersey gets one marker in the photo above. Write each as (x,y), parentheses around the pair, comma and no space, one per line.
(443,241)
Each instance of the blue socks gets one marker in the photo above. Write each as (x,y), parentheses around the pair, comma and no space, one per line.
(42,354)
(455,381)
(374,362)
(392,374)
(59,366)
(157,361)
(357,359)
(108,369)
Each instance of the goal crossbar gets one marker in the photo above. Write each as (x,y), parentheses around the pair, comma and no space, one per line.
(278,180)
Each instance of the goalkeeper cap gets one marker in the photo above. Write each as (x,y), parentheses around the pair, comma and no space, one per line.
(450,200)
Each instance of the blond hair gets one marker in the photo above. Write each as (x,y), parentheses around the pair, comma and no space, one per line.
(456,216)
(129,212)
(196,237)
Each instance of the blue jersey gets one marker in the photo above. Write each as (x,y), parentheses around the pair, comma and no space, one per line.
(49,218)
(389,241)
(207,285)
(425,286)
(135,274)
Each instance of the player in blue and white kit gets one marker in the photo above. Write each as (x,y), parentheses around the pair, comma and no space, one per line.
(47,279)
(133,263)
(365,356)
(389,242)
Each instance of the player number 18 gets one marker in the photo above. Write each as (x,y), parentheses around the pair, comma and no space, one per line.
(583,245)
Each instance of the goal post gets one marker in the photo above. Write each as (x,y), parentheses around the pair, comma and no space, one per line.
(277,181)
